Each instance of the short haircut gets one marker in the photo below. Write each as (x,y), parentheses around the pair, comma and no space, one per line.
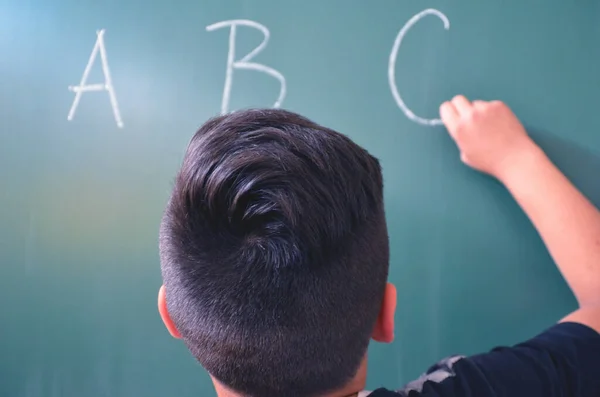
(274,253)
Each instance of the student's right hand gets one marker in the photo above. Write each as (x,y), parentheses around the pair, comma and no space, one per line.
(491,139)
(488,134)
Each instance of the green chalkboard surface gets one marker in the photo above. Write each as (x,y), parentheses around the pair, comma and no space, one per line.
(87,157)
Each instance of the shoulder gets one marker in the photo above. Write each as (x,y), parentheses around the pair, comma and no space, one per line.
(563,360)
(438,374)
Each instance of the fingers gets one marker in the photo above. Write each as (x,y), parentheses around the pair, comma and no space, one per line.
(479,105)
(449,116)
(461,104)
(452,111)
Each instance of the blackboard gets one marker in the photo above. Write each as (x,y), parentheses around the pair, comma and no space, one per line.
(84,183)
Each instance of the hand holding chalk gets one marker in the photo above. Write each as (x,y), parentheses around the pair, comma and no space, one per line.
(488,134)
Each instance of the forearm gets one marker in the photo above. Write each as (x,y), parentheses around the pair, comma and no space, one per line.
(568,223)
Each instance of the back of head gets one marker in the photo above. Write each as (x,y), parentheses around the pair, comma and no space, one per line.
(274,253)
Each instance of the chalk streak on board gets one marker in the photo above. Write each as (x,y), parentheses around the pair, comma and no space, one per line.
(80,89)
(245,63)
(394,56)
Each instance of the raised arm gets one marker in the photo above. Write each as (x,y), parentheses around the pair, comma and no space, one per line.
(492,140)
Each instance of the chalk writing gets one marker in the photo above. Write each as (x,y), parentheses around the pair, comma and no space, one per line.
(245,63)
(392,64)
(107,86)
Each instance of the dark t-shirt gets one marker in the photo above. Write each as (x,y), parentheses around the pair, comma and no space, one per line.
(562,361)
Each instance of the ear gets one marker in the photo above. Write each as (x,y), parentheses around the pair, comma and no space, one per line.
(164,313)
(384,327)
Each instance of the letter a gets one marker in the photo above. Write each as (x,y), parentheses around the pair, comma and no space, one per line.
(245,63)
(107,86)
(392,65)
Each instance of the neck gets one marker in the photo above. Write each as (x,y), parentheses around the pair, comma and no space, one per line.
(222,391)
(352,389)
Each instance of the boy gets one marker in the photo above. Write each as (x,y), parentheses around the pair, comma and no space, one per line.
(274,255)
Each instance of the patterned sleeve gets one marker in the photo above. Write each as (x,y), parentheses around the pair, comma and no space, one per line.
(562,361)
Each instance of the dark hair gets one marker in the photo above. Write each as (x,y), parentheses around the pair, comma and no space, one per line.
(274,253)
